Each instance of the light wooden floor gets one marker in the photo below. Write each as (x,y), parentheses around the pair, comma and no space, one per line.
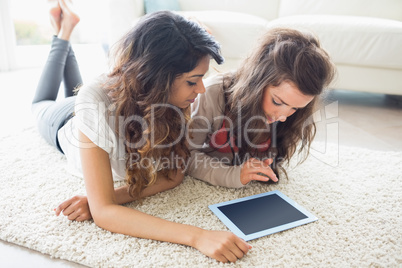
(372,121)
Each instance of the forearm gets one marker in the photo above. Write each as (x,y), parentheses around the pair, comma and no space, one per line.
(213,171)
(119,219)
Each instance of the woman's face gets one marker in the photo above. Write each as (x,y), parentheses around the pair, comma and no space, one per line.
(280,102)
(187,86)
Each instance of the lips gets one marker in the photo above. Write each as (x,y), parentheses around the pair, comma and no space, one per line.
(270,120)
(192,100)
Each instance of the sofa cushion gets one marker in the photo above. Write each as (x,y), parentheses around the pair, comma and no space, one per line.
(236,32)
(157,5)
(362,41)
(266,9)
(386,9)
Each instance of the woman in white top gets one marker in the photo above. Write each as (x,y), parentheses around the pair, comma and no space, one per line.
(130,124)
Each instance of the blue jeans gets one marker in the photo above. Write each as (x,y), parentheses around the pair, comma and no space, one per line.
(51,115)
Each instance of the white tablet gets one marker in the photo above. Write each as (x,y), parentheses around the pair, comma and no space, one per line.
(260,215)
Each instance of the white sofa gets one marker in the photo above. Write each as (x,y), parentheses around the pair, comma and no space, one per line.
(363,37)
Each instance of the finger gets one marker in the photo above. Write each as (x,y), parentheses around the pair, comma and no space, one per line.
(237,252)
(267,172)
(73,216)
(230,255)
(70,209)
(83,217)
(257,177)
(79,218)
(268,161)
(222,258)
(63,206)
(261,177)
(255,163)
(243,246)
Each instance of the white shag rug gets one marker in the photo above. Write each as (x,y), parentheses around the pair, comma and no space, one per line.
(355,193)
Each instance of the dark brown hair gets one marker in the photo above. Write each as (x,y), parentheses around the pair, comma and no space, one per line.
(147,60)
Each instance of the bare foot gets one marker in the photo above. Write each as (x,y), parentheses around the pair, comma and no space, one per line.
(55,15)
(68,21)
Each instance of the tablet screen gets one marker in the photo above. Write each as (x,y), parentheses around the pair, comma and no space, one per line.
(260,215)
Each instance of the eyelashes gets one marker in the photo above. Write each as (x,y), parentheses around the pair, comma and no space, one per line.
(279,104)
(275,103)
(191,84)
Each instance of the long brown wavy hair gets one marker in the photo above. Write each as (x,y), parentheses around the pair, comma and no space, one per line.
(147,60)
(282,55)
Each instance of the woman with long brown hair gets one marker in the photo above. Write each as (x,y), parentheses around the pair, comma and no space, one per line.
(130,124)
(252,120)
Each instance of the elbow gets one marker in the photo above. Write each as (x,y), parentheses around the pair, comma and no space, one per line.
(99,220)
(101,217)
(177,179)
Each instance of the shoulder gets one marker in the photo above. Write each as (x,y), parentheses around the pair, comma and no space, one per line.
(93,92)
(213,98)
(92,104)
(214,86)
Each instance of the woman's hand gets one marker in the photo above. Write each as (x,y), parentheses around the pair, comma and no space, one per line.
(251,169)
(222,246)
(75,208)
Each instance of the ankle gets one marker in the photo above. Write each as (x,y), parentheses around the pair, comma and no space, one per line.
(64,35)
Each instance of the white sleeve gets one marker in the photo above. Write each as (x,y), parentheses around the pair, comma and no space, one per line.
(92,117)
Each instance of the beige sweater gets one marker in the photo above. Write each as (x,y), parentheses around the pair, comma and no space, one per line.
(206,163)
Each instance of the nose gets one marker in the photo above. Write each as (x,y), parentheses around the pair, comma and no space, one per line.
(282,118)
(200,89)
(283,114)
